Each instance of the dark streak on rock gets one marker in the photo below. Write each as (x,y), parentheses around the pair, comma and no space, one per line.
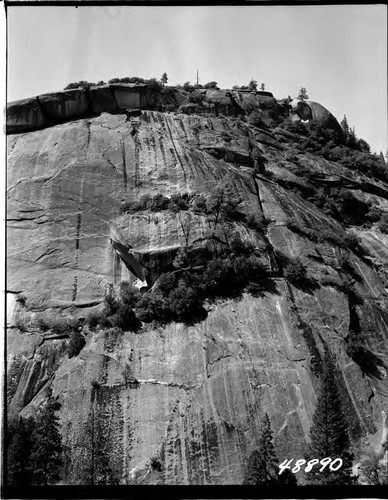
(74,293)
(78,230)
(177,156)
(125,166)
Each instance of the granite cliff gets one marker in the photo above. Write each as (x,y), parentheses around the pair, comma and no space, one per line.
(189,395)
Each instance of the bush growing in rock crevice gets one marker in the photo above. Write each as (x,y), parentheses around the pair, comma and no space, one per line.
(325,234)
(77,342)
(159,203)
(179,295)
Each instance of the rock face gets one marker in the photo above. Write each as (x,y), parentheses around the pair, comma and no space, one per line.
(192,396)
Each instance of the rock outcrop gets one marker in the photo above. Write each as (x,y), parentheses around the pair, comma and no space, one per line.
(310,110)
(50,109)
(192,396)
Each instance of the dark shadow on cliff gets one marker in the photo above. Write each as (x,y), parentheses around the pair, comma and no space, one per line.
(371,365)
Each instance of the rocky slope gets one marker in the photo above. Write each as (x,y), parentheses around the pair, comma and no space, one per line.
(191,396)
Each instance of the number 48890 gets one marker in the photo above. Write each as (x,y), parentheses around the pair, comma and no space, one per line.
(334,465)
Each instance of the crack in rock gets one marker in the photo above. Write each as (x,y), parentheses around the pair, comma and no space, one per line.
(168,384)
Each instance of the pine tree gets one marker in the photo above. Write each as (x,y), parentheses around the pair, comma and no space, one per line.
(262,87)
(329,433)
(252,84)
(164,79)
(263,465)
(46,452)
(345,126)
(303,94)
(18,452)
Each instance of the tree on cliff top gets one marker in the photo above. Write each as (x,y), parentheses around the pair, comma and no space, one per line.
(210,85)
(252,84)
(263,465)
(164,79)
(345,125)
(329,432)
(303,93)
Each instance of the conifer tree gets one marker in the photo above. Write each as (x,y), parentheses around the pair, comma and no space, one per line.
(18,452)
(303,94)
(46,452)
(252,84)
(345,126)
(329,433)
(263,465)
(164,79)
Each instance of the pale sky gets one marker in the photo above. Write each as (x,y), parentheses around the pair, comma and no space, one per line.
(339,53)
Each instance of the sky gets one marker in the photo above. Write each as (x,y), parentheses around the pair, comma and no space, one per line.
(339,53)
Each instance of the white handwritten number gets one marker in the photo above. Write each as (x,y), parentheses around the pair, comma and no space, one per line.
(285,465)
(325,462)
(311,464)
(298,465)
(333,462)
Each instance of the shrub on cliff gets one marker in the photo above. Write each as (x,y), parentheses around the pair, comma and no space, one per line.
(179,295)
(153,306)
(158,203)
(77,342)
(197,98)
(81,84)
(59,326)
(210,85)
(295,272)
(124,318)
(116,313)
(383,224)
(154,84)
(256,221)
(129,294)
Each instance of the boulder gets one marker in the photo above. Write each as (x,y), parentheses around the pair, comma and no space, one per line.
(310,110)
(323,117)
(301,109)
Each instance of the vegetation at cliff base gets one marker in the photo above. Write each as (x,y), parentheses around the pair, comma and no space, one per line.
(329,432)
(35,452)
(263,465)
